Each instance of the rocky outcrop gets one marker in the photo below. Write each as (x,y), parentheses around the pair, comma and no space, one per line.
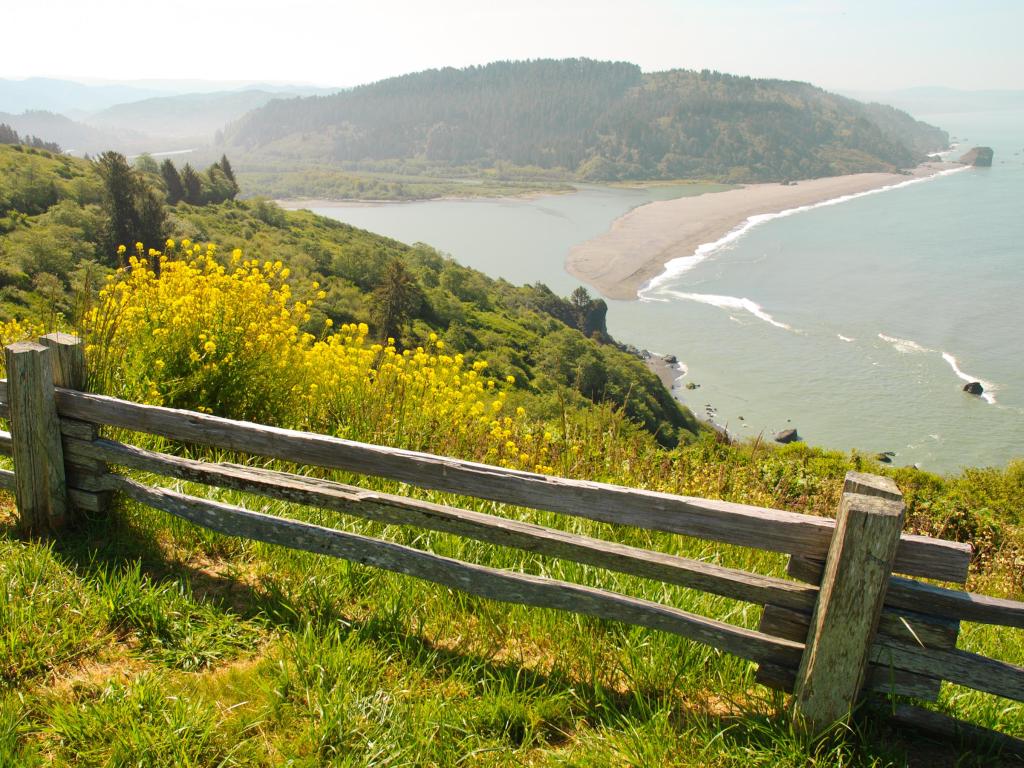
(787,436)
(978,156)
(974,388)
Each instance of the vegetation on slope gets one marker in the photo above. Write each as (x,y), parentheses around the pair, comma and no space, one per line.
(589,120)
(59,237)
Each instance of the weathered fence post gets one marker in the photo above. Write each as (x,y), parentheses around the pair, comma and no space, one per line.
(40,489)
(857,570)
(83,474)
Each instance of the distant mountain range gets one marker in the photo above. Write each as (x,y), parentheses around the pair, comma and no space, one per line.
(128,118)
(77,100)
(593,120)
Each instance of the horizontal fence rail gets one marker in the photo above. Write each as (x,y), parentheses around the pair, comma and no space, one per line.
(727,522)
(841,624)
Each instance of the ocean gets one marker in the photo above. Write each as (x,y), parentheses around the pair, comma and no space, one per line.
(856,322)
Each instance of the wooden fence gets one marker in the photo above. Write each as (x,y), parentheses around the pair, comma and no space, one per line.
(845,624)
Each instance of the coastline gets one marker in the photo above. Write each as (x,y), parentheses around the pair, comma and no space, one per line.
(641,244)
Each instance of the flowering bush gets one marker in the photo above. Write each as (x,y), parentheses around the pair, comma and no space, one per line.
(184,330)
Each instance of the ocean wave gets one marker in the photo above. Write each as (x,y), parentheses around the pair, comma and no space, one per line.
(683,264)
(904,346)
(732,303)
(988,395)
(844,338)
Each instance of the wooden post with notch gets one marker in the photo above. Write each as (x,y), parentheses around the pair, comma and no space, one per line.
(83,474)
(857,570)
(39,484)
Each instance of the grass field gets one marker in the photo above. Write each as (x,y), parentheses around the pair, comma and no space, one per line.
(137,639)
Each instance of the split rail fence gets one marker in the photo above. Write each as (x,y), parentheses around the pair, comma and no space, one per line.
(852,619)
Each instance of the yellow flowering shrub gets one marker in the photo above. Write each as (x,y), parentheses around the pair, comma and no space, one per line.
(185,330)
(17,330)
(188,332)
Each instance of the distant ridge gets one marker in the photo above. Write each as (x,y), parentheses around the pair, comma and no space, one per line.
(592,120)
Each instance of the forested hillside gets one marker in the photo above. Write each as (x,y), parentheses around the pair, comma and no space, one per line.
(593,121)
(62,221)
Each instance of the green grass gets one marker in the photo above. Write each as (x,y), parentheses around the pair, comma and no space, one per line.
(141,640)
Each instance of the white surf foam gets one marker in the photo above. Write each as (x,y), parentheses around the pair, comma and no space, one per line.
(683,264)
(731,303)
(844,338)
(904,346)
(988,395)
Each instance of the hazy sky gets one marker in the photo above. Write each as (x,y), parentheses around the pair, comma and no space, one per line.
(855,44)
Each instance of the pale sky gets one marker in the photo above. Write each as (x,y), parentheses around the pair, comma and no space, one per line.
(839,44)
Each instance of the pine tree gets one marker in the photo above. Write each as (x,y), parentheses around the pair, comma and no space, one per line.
(135,212)
(118,200)
(172,182)
(192,185)
(229,174)
(226,167)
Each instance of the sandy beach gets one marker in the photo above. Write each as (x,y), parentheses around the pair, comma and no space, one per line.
(639,245)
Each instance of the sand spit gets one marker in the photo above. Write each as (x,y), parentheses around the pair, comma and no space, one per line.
(641,243)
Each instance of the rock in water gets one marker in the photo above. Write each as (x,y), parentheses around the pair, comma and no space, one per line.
(978,156)
(787,436)
(974,388)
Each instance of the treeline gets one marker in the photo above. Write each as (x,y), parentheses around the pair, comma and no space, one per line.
(10,136)
(595,121)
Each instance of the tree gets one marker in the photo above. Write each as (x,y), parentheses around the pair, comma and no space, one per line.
(395,300)
(192,185)
(8,135)
(119,187)
(229,174)
(226,167)
(172,182)
(133,209)
(146,164)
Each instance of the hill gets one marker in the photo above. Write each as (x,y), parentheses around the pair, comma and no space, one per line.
(195,116)
(592,121)
(76,137)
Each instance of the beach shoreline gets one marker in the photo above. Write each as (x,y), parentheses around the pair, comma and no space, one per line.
(641,244)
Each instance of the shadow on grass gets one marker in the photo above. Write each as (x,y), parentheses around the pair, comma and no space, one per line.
(116,540)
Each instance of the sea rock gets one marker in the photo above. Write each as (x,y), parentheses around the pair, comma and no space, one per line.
(883,458)
(691,385)
(978,156)
(670,359)
(974,388)
(787,436)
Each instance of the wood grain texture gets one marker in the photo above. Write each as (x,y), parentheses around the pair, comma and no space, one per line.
(67,358)
(67,354)
(907,594)
(832,670)
(951,604)
(758,527)
(903,626)
(956,666)
(503,586)
(401,510)
(40,487)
